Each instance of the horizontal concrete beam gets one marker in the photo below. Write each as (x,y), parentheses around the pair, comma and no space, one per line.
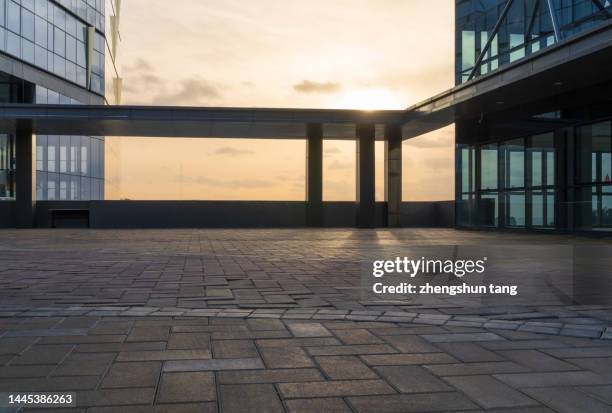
(190,122)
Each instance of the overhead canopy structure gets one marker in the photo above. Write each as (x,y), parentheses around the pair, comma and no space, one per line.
(189,121)
(575,63)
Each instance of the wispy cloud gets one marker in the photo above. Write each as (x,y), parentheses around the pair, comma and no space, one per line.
(336,165)
(230,183)
(139,65)
(191,91)
(229,151)
(142,78)
(308,86)
(332,150)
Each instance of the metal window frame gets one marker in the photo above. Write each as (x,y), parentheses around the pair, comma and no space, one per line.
(553,18)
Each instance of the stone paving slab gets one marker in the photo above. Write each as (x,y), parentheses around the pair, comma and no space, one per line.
(254,320)
(307,329)
(293,377)
(198,272)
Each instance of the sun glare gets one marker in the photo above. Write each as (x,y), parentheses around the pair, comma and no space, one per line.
(369,99)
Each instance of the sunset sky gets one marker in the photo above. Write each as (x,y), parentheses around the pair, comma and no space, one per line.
(370,54)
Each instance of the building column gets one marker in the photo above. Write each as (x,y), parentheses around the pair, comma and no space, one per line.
(25,183)
(393,174)
(566,207)
(314,175)
(366,208)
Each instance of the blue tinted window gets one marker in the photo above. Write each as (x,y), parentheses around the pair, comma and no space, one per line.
(2,10)
(2,39)
(28,4)
(41,8)
(59,17)
(59,42)
(27,51)
(27,24)
(14,44)
(488,159)
(71,48)
(40,31)
(526,28)
(14,17)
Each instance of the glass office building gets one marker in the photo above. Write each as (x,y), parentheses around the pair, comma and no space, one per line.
(62,52)
(505,31)
(544,168)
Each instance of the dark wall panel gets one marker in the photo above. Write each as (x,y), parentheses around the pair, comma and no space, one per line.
(339,214)
(197,214)
(44,216)
(7,214)
(428,214)
(228,214)
(445,214)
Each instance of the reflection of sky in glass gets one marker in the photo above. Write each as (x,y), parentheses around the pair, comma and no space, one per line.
(489,168)
(517,169)
(550,168)
(489,198)
(516,214)
(536,168)
(550,210)
(537,209)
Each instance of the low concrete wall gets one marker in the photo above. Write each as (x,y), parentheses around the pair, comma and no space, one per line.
(428,214)
(196,214)
(339,214)
(43,218)
(343,214)
(7,214)
(232,214)
(445,214)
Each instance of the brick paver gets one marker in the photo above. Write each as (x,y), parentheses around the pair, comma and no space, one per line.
(292,376)
(248,320)
(186,387)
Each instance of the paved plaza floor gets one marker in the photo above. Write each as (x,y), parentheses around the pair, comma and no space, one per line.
(273,321)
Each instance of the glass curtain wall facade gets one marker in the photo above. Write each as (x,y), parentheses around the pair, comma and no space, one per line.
(68,168)
(526,28)
(12,89)
(55,36)
(66,40)
(555,180)
(516,183)
(532,170)
(593,184)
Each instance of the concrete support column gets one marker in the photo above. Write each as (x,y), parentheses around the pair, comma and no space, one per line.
(566,206)
(25,183)
(393,174)
(366,212)
(314,174)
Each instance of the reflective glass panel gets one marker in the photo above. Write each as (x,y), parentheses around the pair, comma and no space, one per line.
(516,209)
(488,209)
(488,159)
(537,210)
(514,158)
